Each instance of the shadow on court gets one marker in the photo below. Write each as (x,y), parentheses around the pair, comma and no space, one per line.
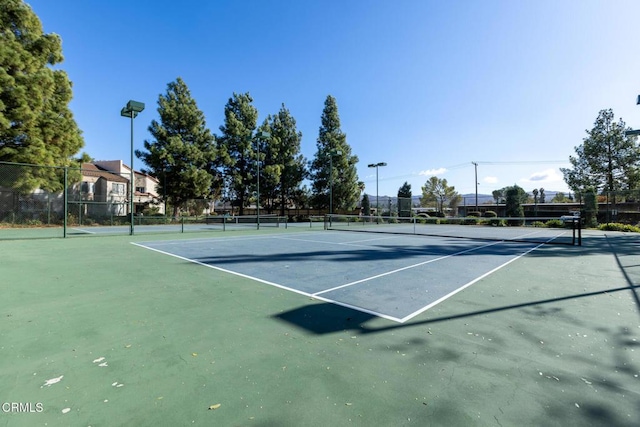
(568,342)
(327,318)
(138,338)
(379,252)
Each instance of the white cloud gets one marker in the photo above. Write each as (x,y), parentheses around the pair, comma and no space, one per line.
(432,172)
(491,179)
(546,177)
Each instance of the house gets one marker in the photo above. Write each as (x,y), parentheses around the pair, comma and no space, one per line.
(146,186)
(99,193)
(105,189)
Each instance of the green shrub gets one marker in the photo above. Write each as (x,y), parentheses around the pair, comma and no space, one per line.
(555,223)
(152,211)
(615,226)
(538,224)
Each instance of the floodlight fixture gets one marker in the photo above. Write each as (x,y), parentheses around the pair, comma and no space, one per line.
(131,110)
(377,165)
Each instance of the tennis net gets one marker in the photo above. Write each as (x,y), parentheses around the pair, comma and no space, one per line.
(267,220)
(549,230)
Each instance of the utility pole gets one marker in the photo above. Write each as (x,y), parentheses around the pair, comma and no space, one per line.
(475,164)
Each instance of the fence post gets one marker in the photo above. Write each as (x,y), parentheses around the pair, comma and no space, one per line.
(65,200)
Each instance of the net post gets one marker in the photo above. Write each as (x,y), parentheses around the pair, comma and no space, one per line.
(580,231)
(182,224)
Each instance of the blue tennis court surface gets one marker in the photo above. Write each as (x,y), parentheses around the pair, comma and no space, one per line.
(392,276)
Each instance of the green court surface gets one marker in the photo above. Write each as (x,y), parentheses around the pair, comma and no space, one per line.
(101,332)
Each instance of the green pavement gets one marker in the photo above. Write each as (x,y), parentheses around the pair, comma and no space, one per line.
(98,332)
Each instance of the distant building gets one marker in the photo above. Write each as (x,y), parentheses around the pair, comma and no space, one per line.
(107,184)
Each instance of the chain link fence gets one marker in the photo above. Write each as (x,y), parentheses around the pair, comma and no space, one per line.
(44,202)
(20,204)
(49,201)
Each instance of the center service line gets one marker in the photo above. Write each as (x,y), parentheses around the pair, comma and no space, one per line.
(405,268)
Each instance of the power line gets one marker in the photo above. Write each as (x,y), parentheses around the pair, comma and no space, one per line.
(523,162)
(474,164)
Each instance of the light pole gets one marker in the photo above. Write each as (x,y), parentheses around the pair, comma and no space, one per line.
(262,135)
(331,154)
(475,164)
(377,165)
(131,110)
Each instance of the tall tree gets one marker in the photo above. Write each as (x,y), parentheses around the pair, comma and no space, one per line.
(36,124)
(333,164)
(270,169)
(238,145)
(515,196)
(286,166)
(438,190)
(404,200)
(606,160)
(366,205)
(183,153)
(498,195)
(591,207)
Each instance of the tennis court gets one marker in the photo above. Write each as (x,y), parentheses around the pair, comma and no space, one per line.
(392,276)
(305,326)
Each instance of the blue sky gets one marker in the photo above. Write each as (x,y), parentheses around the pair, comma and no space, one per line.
(426,86)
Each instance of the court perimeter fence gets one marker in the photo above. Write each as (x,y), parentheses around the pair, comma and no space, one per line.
(539,230)
(49,201)
(54,201)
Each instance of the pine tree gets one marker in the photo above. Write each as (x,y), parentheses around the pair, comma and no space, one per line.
(366,205)
(285,167)
(404,200)
(183,155)
(36,124)
(238,146)
(606,160)
(333,169)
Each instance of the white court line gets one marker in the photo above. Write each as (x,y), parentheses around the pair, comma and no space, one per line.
(357,308)
(404,268)
(318,295)
(246,276)
(449,295)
